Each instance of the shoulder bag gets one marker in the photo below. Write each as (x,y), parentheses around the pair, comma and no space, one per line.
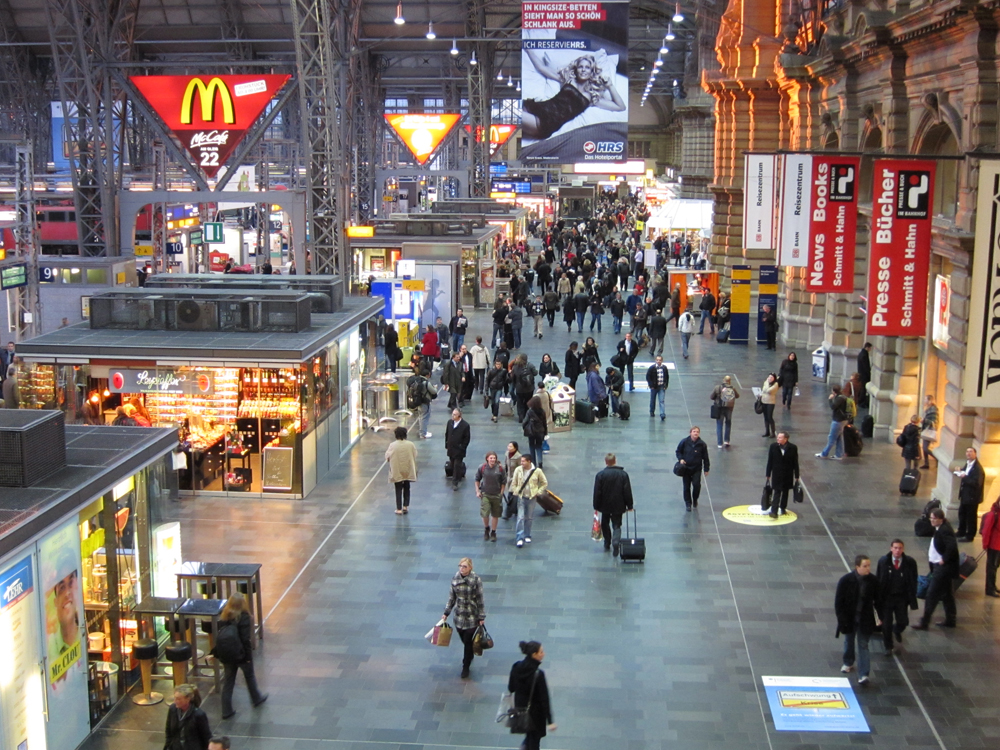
(798,494)
(716,412)
(758,406)
(519,719)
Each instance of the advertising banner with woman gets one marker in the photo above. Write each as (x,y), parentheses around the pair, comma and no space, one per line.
(574,67)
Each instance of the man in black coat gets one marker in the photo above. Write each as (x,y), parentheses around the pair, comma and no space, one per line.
(692,453)
(897,584)
(865,372)
(970,495)
(707,307)
(770,319)
(856,604)
(612,498)
(943,558)
(582,302)
(658,380)
(782,471)
(468,374)
(628,350)
(456,442)
(657,332)
(452,378)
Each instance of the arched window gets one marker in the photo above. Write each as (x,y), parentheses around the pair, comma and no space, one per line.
(872,143)
(940,141)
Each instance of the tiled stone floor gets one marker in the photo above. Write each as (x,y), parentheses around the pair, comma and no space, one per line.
(663,655)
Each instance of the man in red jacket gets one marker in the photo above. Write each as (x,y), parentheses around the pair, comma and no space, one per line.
(991,543)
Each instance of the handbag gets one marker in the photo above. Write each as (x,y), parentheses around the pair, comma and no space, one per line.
(441,635)
(798,494)
(765,497)
(519,719)
(929,436)
(481,640)
(716,412)
(758,406)
(596,533)
(900,440)
(680,469)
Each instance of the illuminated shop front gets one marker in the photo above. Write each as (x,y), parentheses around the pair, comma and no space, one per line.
(254,413)
(74,560)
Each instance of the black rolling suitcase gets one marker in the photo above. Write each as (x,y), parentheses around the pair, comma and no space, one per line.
(723,335)
(633,549)
(868,426)
(624,410)
(853,443)
(967,566)
(910,482)
(584,411)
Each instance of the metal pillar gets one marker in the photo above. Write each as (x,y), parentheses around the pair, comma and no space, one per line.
(315,24)
(234,33)
(24,301)
(23,101)
(480,90)
(159,209)
(367,131)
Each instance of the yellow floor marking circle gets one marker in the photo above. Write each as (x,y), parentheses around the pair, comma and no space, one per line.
(752,515)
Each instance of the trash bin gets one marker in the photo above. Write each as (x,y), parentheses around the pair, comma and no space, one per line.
(112,670)
(820,364)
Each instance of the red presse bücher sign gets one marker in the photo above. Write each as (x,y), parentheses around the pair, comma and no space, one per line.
(902,202)
(833,223)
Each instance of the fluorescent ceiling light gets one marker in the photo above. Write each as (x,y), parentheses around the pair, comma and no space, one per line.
(430,31)
(454,47)
(399,20)
(678,16)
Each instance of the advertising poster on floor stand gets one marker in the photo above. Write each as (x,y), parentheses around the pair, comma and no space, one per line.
(739,305)
(767,294)
(899,264)
(833,224)
(793,216)
(981,381)
(759,192)
(574,64)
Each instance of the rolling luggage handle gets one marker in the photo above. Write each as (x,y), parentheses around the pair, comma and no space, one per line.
(639,549)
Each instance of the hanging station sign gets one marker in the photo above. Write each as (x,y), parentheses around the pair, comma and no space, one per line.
(833,223)
(422,133)
(209,115)
(981,380)
(902,198)
(793,240)
(499,135)
(758,201)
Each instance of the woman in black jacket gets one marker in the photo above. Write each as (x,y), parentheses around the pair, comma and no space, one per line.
(590,355)
(187,725)
(574,366)
(496,385)
(535,429)
(569,313)
(548,367)
(909,441)
(527,683)
(236,614)
(788,376)
(391,345)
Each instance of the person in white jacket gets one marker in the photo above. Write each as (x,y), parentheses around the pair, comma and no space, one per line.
(686,326)
(480,363)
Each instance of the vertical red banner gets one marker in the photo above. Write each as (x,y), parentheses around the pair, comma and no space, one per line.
(902,202)
(833,223)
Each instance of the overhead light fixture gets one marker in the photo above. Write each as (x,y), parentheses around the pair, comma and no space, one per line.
(675,82)
(678,16)
(454,48)
(399,20)
(430,30)
(670,33)
(473,60)
(500,75)
(657,63)
(518,86)
(510,80)
(664,49)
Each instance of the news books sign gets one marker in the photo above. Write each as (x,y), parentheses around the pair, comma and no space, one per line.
(981,380)
(902,198)
(793,239)
(833,223)
(209,114)
(758,201)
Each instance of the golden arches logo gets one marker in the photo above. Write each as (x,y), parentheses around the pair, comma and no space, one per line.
(206,97)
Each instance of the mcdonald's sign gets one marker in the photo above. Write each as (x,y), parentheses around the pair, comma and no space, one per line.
(209,115)
(499,135)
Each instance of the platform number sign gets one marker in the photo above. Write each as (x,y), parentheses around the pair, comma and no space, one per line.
(212,231)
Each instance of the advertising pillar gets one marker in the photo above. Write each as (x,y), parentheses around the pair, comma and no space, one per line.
(902,197)
(767,294)
(739,322)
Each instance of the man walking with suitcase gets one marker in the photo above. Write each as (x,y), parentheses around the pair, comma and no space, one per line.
(943,558)
(897,585)
(612,498)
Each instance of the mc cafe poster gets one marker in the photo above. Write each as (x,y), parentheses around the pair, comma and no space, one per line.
(574,86)
(899,257)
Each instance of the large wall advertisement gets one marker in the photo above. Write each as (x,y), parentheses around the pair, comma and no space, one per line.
(574,64)
(833,223)
(981,384)
(902,197)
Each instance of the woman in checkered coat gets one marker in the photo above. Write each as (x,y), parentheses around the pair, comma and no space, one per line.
(466,598)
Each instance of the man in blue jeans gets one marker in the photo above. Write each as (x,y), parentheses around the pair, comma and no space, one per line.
(855,603)
(838,405)
(658,380)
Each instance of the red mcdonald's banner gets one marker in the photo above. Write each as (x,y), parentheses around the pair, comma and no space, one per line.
(209,114)
(499,135)
(902,199)
(833,223)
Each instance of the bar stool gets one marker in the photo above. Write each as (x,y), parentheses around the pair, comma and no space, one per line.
(177,654)
(145,651)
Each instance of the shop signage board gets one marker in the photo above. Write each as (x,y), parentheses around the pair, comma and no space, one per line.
(278,467)
(833,223)
(793,215)
(899,261)
(942,311)
(12,277)
(814,704)
(160,380)
(981,381)
(209,114)
(759,192)
(499,135)
(422,133)
(21,699)
(574,87)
